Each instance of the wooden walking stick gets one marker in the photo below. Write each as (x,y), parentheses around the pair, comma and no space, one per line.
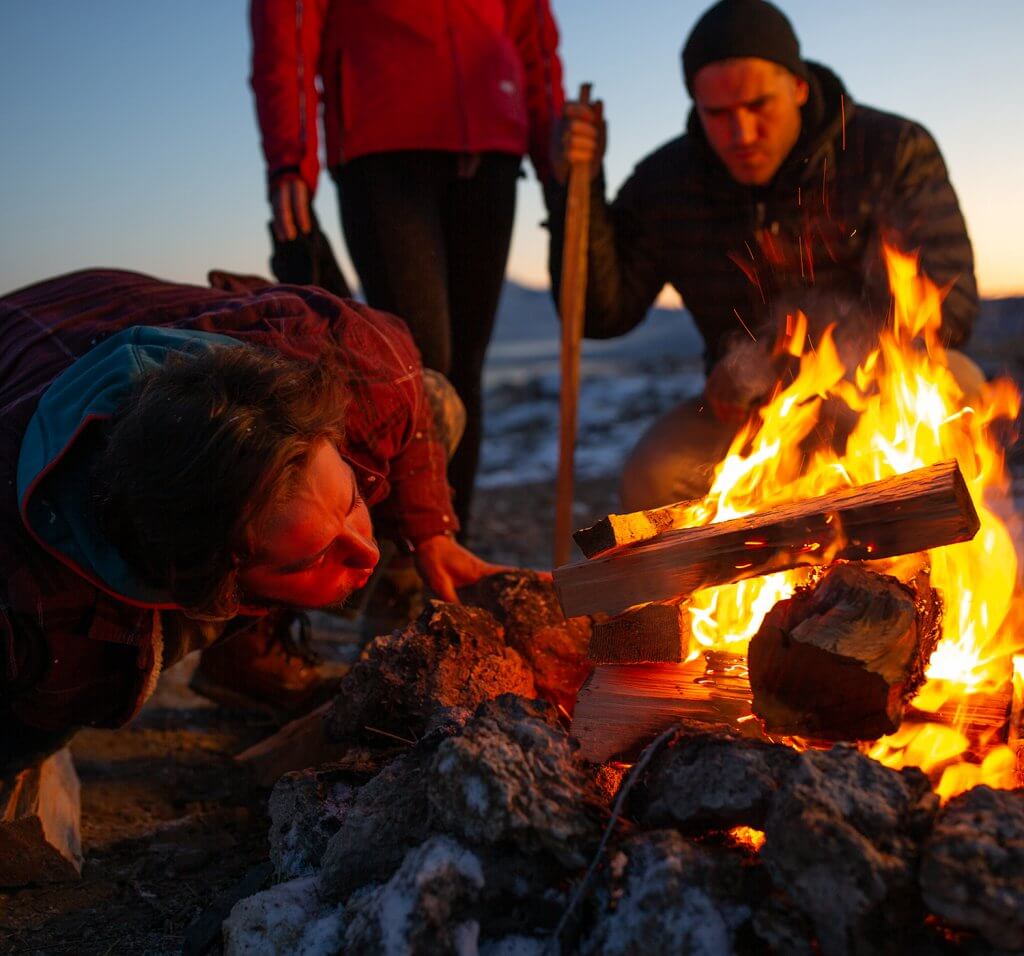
(571,303)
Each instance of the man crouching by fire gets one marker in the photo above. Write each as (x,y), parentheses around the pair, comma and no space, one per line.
(180,462)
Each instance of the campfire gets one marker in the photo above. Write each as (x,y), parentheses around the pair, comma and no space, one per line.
(945,583)
(786,696)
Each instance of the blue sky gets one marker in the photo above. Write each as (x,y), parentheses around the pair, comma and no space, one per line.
(129,137)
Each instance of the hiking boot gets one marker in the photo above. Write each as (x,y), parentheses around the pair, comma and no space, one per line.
(268,668)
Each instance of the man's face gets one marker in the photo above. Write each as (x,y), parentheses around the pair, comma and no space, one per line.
(317,548)
(750,110)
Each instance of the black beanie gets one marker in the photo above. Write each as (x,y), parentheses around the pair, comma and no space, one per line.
(742,28)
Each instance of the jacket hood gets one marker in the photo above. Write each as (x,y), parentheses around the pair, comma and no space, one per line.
(828,106)
(55,457)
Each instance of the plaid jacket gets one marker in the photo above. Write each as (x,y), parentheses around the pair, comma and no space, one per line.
(74,652)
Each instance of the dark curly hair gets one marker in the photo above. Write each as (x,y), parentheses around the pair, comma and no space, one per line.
(201,447)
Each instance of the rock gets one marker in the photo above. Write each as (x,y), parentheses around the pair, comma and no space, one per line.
(307,807)
(704,781)
(526,606)
(519,946)
(522,891)
(452,656)
(782,928)
(513,777)
(388,817)
(287,918)
(40,823)
(842,841)
(972,867)
(521,601)
(423,909)
(667,895)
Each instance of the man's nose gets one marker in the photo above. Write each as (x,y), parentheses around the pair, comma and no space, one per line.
(744,128)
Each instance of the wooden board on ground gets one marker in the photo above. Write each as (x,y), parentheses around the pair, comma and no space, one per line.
(40,824)
(923,509)
(841,658)
(654,633)
(297,745)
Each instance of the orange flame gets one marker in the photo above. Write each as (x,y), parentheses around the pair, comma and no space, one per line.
(911,411)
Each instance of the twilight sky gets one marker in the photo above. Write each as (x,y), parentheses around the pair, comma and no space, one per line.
(129,137)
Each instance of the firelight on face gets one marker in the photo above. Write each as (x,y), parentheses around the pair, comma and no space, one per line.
(750,111)
(316,548)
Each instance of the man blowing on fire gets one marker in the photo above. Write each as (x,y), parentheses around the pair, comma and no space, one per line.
(179,462)
(777,197)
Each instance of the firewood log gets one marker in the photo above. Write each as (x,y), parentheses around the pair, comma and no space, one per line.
(914,512)
(622,707)
(654,633)
(841,658)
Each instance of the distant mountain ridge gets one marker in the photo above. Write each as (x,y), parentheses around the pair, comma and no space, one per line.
(527,331)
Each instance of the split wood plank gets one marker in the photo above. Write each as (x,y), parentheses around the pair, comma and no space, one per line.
(924,509)
(617,531)
(40,823)
(622,707)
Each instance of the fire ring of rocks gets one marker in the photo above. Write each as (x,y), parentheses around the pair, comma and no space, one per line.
(461,818)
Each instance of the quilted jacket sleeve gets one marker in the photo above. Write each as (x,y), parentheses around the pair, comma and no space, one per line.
(623,275)
(925,214)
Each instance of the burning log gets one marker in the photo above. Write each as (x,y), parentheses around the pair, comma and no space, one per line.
(923,509)
(654,633)
(840,659)
(617,531)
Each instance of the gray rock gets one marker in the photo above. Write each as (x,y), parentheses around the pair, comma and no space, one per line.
(842,841)
(287,918)
(388,817)
(704,782)
(667,895)
(451,657)
(519,946)
(512,777)
(423,909)
(972,868)
(307,807)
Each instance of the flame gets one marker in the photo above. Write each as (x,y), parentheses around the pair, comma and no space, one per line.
(907,410)
(748,837)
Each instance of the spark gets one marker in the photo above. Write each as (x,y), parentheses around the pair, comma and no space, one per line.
(739,319)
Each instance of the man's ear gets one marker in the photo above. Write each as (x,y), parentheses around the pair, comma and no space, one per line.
(802,90)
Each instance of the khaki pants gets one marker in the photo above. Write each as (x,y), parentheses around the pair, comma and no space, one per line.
(675,458)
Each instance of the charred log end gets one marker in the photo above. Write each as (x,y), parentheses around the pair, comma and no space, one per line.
(654,633)
(840,659)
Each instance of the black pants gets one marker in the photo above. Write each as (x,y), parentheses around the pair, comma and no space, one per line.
(431,246)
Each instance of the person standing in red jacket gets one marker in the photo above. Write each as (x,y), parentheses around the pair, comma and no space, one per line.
(428,108)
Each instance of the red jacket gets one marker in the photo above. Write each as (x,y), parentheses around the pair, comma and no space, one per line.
(102,643)
(464,76)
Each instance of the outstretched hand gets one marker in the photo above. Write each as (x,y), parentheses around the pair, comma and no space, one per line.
(446,565)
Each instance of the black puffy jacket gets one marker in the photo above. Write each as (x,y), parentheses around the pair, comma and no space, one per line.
(735,252)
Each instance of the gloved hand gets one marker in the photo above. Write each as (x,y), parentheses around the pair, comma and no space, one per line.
(741,381)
